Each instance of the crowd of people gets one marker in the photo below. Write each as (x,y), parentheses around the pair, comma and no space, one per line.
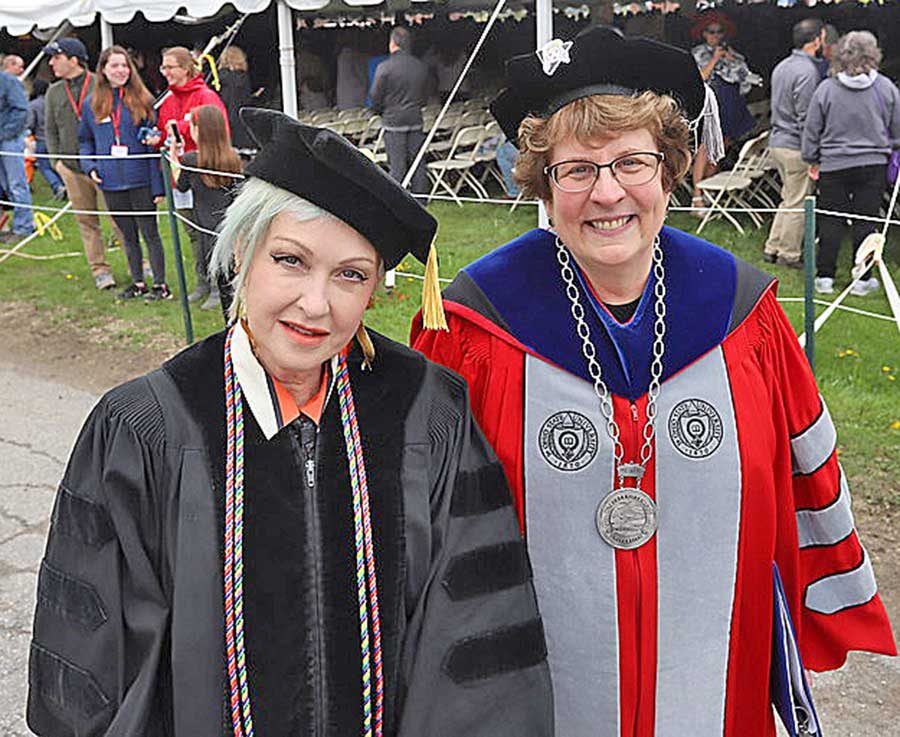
(620,512)
(96,137)
(813,145)
(835,125)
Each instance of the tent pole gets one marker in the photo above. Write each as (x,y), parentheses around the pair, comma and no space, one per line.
(288,64)
(543,11)
(106,33)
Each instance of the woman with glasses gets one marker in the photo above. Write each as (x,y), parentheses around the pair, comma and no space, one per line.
(187,91)
(671,460)
(726,71)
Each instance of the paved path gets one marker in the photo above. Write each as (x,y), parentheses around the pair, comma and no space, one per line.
(38,424)
(39,420)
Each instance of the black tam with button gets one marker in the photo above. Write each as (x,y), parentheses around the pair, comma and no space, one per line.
(598,61)
(324,168)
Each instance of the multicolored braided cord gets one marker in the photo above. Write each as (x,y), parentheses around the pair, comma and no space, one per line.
(366,579)
(236,657)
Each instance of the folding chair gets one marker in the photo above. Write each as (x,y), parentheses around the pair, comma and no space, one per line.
(354,128)
(733,188)
(372,140)
(487,155)
(460,160)
(323,117)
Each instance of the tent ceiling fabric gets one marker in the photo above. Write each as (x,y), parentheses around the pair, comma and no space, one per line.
(20,16)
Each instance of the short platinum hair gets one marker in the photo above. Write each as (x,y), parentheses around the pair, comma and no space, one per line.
(245,225)
(857,53)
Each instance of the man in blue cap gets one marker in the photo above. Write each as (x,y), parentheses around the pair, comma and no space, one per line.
(65,98)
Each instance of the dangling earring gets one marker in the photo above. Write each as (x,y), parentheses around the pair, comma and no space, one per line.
(368,348)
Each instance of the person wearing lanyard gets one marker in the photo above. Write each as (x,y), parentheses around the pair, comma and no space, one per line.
(68,59)
(110,148)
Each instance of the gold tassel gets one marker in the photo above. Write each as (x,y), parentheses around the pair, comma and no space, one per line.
(368,348)
(433,317)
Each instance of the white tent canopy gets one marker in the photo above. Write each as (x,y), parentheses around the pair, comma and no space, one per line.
(20,16)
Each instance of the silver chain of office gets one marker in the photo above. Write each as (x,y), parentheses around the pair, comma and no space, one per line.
(590,353)
(626,517)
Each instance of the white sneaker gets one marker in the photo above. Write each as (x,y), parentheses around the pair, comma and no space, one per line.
(863,287)
(824,285)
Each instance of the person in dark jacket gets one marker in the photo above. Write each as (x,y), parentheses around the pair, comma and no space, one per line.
(399,91)
(236,93)
(36,126)
(294,526)
(213,193)
(111,119)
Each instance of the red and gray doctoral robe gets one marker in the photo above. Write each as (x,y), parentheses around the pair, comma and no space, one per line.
(680,635)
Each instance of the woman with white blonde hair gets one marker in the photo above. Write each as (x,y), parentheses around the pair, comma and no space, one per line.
(852,126)
(293,526)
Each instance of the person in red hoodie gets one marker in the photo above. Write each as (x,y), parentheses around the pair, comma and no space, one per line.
(187,90)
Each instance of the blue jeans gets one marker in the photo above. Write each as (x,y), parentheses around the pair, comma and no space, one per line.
(15,184)
(44,167)
(507,155)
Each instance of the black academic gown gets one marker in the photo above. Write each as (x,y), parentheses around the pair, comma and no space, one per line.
(129,634)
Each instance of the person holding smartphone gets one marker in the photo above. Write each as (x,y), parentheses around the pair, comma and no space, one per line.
(726,71)
(187,90)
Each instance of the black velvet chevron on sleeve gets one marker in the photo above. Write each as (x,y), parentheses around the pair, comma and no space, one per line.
(70,598)
(480,491)
(499,651)
(486,569)
(81,518)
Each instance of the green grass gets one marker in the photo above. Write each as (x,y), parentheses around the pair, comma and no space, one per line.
(856,356)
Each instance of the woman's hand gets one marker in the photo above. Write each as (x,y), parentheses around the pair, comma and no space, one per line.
(158,198)
(95,177)
(814,172)
(176,150)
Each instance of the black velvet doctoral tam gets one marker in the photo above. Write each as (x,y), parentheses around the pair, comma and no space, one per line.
(600,61)
(324,168)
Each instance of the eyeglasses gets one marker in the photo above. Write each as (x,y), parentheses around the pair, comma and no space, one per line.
(716,31)
(168,67)
(629,170)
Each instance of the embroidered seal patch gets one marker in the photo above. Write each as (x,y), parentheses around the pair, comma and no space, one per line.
(695,428)
(568,440)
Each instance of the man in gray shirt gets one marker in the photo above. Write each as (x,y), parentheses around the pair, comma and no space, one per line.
(794,80)
(399,91)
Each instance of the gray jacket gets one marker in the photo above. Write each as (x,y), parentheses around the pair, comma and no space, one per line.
(847,127)
(399,91)
(794,80)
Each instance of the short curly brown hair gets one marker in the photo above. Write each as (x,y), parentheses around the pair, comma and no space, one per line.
(594,118)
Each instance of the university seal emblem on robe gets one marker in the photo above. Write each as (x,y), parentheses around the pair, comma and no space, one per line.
(695,428)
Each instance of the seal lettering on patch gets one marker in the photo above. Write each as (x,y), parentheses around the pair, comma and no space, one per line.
(695,428)
(568,440)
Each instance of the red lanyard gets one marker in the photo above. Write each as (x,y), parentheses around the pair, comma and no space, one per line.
(84,88)
(116,115)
